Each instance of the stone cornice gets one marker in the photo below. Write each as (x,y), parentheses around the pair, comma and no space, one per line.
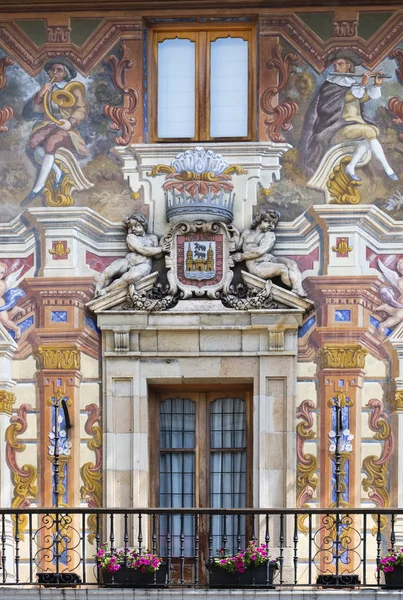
(21,6)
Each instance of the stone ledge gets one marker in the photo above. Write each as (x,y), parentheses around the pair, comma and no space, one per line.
(192,594)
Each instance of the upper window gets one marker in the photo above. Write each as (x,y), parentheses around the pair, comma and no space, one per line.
(203,83)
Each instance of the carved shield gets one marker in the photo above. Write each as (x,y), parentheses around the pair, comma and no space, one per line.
(199,261)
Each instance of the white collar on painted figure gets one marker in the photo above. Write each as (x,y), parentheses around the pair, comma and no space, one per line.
(345,81)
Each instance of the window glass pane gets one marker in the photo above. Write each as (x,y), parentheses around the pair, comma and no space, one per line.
(228,490)
(227,423)
(176,89)
(177,423)
(229,88)
(228,469)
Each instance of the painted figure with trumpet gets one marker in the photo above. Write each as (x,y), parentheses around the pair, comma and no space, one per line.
(62,103)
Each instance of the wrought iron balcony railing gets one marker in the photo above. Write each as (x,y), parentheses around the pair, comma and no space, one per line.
(312,547)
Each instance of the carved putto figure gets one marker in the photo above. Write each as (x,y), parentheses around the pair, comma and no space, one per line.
(256,245)
(137,264)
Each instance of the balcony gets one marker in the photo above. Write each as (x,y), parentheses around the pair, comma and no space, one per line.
(314,549)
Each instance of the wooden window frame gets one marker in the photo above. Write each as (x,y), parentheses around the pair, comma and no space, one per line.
(203,395)
(202,34)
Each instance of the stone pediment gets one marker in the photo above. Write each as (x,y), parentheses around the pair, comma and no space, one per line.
(261,295)
(119,296)
(285,297)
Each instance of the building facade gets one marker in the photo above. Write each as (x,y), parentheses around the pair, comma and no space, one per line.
(201,259)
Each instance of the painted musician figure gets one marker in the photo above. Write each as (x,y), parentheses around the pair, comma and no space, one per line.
(60,132)
(336,115)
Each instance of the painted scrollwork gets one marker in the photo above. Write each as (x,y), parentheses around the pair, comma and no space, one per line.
(23,478)
(375,483)
(278,117)
(396,108)
(91,473)
(7,112)
(343,189)
(395,105)
(122,117)
(307,464)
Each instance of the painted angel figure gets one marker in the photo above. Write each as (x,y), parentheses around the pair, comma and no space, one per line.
(393,298)
(9,294)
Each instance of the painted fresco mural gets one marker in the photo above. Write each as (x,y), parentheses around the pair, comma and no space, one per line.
(77,162)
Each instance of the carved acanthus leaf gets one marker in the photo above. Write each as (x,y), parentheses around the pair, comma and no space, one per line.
(307,464)
(278,116)
(122,117)
(377,467)
(91,473)
(7,112)
(23,478)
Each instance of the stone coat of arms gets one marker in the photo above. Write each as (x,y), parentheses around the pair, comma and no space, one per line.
(198,258)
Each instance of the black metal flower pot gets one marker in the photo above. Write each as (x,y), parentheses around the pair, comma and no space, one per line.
(253,577)
(394,579)
(135,579)
(59,579)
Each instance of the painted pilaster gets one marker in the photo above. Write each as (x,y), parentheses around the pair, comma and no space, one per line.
(7,401)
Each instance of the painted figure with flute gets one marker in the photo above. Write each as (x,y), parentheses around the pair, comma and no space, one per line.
(62,105)
(336,115)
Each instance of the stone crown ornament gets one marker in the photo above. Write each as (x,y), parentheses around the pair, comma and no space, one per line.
(198,185)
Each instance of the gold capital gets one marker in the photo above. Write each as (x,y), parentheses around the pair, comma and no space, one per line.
(59,357)
(398,400)
(7,399)
(342,357)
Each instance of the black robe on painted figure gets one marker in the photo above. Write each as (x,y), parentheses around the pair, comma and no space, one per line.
(323,120)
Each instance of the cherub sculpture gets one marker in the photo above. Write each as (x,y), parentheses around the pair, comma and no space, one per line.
(393,298)
(9,294)
(137,264)
(256,245)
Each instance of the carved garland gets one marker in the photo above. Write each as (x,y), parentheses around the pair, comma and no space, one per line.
(377,468)
(307,464)
(23,478)
(91,473)
(120,115)
(7,112)
(278,117)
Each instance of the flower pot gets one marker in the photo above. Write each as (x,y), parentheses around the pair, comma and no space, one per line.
(134,578)
(394,579)
(253,577)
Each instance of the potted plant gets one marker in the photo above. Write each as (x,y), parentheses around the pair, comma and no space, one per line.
(392,566)
(251,567)
(129,568)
